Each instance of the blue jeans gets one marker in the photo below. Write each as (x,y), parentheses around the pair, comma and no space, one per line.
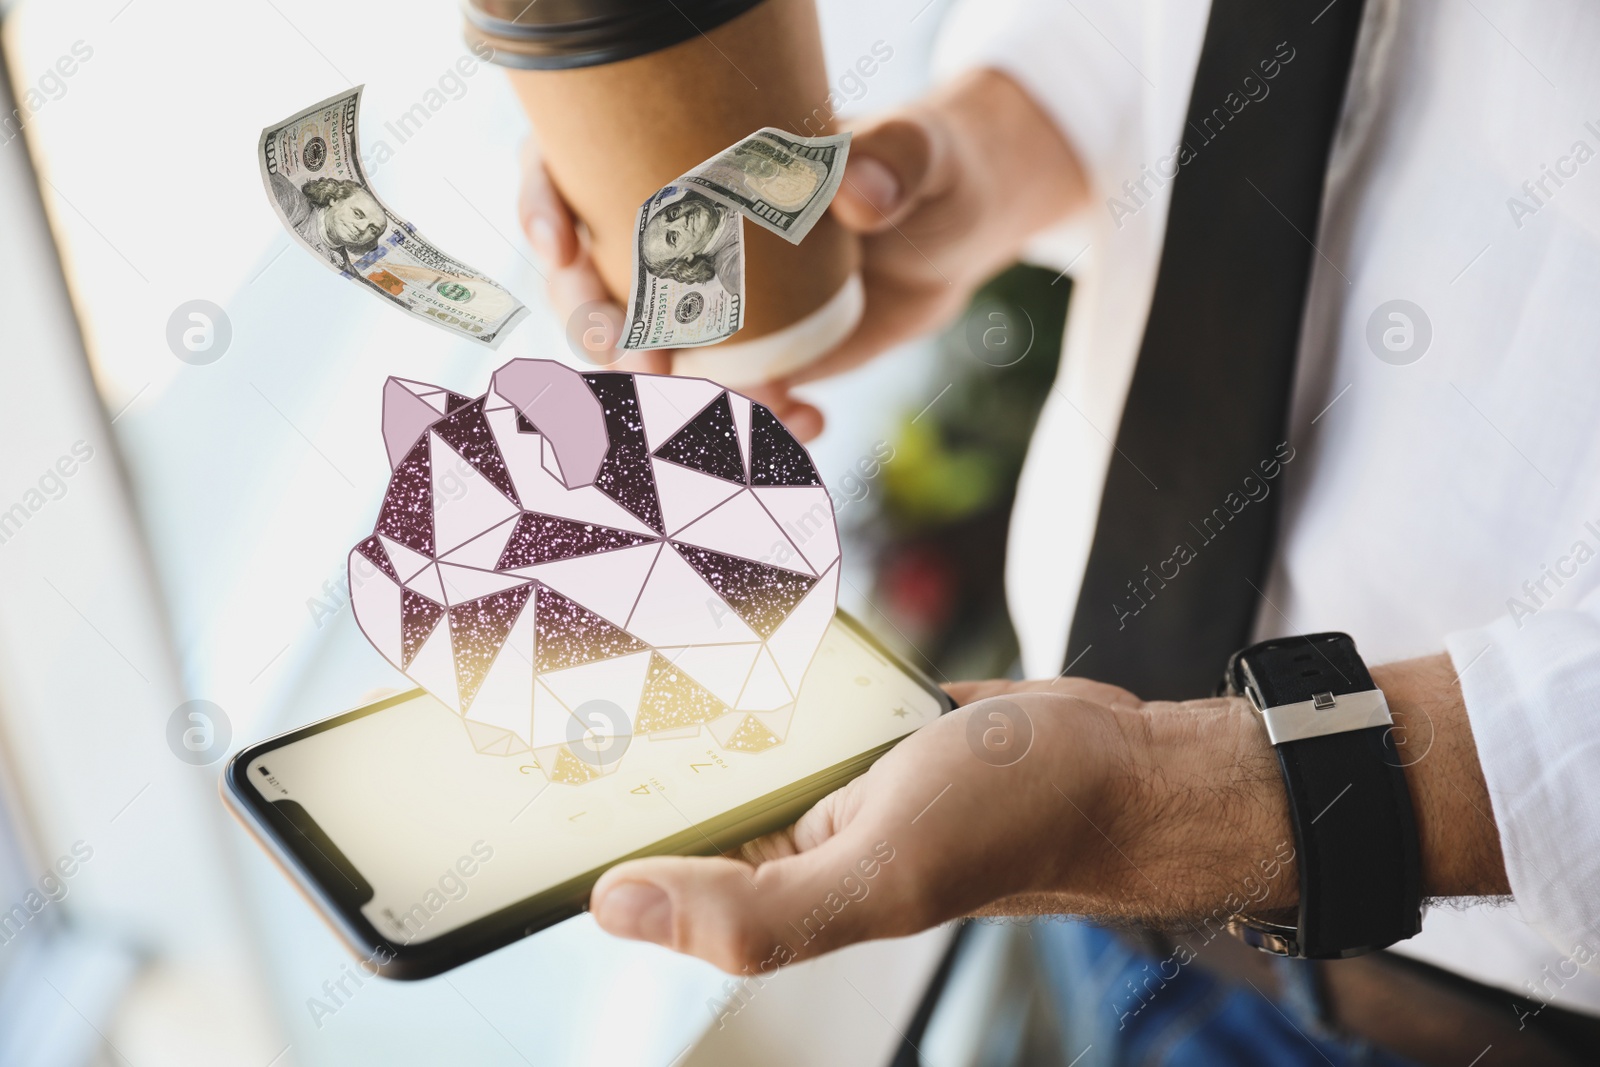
(1126,1007)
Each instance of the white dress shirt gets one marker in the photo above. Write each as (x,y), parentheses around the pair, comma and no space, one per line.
(1444,497)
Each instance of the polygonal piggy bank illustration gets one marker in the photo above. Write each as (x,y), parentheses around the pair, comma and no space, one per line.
(576,561)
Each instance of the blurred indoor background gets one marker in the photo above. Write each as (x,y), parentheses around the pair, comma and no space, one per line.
(196,549)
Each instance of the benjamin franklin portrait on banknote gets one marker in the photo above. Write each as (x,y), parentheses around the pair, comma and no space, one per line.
(311,167)
(688,276)
(693,240)
(339,218)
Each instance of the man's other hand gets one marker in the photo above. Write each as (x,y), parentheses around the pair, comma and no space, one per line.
(943,194)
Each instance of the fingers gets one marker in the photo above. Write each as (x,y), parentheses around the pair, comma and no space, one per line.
(803,420)
(594,327)
(869,193)
(895,314)
(578,283)
(964,693)
(574,283)
(593,319)
(818,824)
(800,418)
(648,361)
(893,166)
(741,917)
(543,214)
(744,917)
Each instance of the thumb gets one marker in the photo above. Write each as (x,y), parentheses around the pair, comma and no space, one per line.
(746,918)
(893,166)
(546,220)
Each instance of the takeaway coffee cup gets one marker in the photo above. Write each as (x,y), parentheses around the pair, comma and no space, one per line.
(626,96)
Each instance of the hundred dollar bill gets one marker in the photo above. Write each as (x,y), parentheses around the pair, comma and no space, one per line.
(688,258)
(311,166)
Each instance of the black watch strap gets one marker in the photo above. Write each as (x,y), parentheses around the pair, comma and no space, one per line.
(1355,832)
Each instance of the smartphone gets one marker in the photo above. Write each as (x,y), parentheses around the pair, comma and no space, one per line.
(423,853)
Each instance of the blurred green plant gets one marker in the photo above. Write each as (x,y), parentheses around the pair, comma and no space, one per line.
(932,483)
(947,496)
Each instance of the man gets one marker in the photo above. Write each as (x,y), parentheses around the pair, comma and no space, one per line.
(1438,499)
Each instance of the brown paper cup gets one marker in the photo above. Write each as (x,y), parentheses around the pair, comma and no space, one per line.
(613,134)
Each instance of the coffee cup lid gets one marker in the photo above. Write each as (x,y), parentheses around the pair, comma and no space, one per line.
(561,34)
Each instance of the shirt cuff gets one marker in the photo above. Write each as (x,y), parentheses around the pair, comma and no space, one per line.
(1531,682)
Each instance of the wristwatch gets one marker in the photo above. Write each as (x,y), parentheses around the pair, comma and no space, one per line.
(1354,830)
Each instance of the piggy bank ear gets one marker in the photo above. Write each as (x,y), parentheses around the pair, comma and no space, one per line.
(408,409)
(561,406)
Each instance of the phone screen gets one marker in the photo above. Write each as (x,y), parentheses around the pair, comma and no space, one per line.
(444,834)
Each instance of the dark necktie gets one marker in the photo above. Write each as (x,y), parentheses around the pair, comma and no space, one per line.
(1185,532)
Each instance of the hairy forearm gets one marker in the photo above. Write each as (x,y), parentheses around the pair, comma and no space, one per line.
(1461,854)
(1206,815)
(1198,824)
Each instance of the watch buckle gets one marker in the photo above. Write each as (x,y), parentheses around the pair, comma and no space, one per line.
(1324,714)
(1270,938)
